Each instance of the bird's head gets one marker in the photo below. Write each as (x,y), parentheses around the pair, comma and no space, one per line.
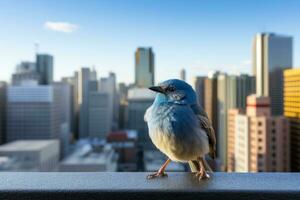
(176,91)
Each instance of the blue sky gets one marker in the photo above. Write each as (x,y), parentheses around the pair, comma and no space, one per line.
(199,36)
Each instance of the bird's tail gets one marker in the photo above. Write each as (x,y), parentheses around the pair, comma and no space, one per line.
(195,166)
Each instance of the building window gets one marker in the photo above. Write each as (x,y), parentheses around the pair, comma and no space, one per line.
(259,123)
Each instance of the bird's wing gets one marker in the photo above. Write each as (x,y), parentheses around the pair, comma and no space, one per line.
(207,126)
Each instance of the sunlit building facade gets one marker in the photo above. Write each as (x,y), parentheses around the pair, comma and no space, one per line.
(144,67)
(261,140)
(271,55)
(292,111)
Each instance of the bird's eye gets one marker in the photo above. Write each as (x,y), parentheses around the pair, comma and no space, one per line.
(171,89)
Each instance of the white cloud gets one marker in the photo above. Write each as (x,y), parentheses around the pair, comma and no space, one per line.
(64,27)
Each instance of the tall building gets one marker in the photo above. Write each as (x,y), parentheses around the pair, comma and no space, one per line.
(199,86)
(31,155)
(261,140)
(72,83)
(144,67)
(44,67)
(108,85)
(211,99)
(3,103)
(99,114)
(33,112)
(223,106)
(183,74)
(232,92)
(232,113)
(83,101)
(292,111)
(123,90)
(271,55)
(139,99)
(63,96)
(245,87)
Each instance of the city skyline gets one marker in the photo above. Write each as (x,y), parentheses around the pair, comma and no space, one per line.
(90,38)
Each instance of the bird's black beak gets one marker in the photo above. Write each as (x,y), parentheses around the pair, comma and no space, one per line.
(157,89)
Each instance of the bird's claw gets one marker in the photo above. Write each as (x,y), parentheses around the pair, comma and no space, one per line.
(157,175)
(202,175)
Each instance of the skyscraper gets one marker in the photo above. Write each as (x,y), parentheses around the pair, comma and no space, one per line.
(232,92)
(292,111)
(199,86)
(261,140)
(3,107)
(99,114)
(245,87)
(232,113)
(183,74)
(223,106)
(44,66)
(33,112)
(211,99)
(108,85)
(271,55)
(83,101)
(144,67)
(72,82)
(139,99)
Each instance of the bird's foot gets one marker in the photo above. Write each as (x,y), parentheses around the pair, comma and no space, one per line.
(202,175)
(157,175)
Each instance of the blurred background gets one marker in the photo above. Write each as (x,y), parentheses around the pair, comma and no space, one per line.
(75,77)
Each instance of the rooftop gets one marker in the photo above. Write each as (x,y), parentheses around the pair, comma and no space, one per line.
(27,145)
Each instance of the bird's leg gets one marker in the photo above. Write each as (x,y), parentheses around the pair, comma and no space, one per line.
(160,172)
(202,174)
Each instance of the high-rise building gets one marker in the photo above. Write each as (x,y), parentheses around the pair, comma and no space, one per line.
(3,105)
(123,102)
(292,111)
(271,55)
(144,67)
(108,85)
(261,140)
(83,101)
(72,83)
(245,87)
(199,86)
(232,113)
(33,112)
(63,94)
(44,67)
(139,99)
(232,92)
(223,106)
(99,114)
(183,74)
(211,99)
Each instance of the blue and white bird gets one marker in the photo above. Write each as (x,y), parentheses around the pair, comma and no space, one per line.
(180,128)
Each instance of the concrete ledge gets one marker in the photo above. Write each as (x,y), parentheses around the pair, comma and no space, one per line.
(109,186)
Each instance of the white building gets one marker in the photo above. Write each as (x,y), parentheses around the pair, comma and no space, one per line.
(30,155)
(91,157)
